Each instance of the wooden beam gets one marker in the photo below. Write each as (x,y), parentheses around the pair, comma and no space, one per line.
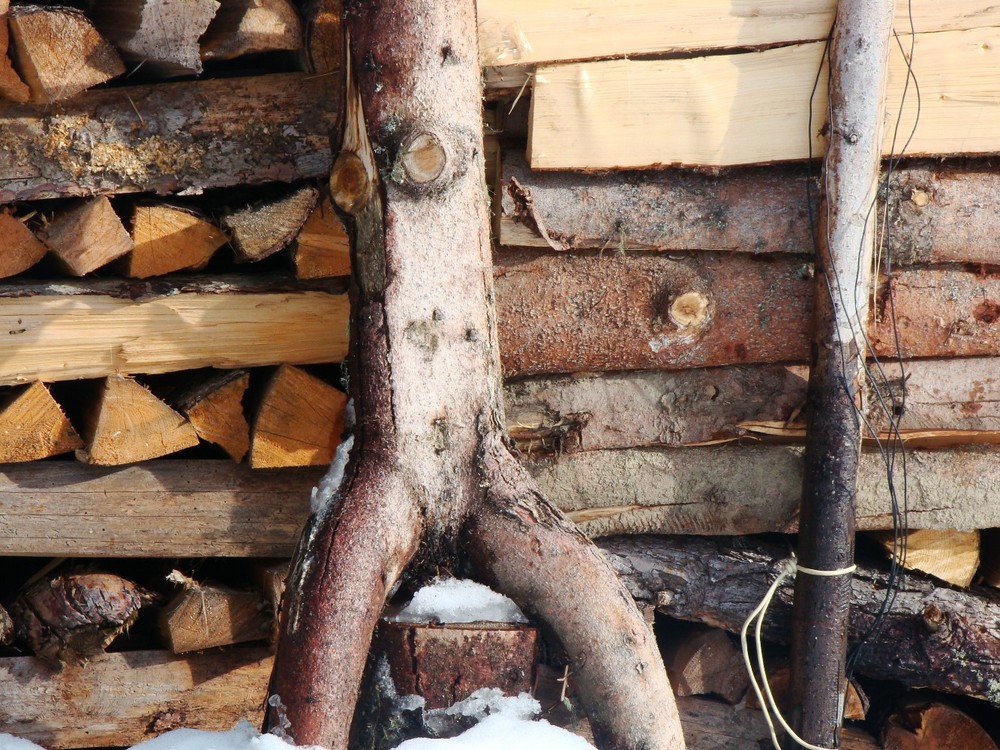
(169,508)
(121,699)
(747,108)
(169,137)
(136,327)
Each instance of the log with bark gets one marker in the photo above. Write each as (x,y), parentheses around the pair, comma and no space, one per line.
(431,467)
(934,637)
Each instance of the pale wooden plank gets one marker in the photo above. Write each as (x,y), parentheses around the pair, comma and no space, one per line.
(168,508)
(748,108)
(121,699)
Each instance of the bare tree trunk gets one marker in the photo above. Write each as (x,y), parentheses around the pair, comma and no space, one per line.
(431,466)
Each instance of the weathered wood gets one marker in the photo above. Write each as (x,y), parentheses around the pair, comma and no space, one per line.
(706,662)
(616,312)
(169,138)
(323,37)
(262,230)
(19,248)
(322,248)
(128,424)
(933,637)
(124,698)
(602,115)
(59,52)
(934,726)
(163,327)
(169,238)
(205,615)
(173,508)
(215,409)
(159,35)
(952,556)
(33,426)
(299,421)
(87,236)
(245,27)
(754,489)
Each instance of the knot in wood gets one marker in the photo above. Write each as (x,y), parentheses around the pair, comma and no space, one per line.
(688,309)
(350,184)
(422,159)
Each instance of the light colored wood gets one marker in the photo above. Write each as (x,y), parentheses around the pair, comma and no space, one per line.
(243,27)
(262,230)
(206,615)
(247,131)
(168,238)
(64,332)
(322,248)
(33,426)
(751,108)
(123,698)
(934,726)
(60,53)
(88,236)
(160,35)
(130,424)
(19,248)
(299,421)
(167,508)
(12,87)
(215,410)
(952,556)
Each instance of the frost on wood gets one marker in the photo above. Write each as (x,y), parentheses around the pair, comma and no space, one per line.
(453,601)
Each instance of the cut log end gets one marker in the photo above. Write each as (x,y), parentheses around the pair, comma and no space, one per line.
(87,237)
(33,426)
(215,410)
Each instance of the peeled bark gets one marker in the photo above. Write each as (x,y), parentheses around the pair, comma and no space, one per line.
(431,469)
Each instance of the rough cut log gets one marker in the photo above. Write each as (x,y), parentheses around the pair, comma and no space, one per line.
(323,37)
(12,87)
(214,408)
(170,238)
(169,138)
(755,489)
(173,508)
(72,617)
(59,53)
(705,661)
(949,555)
(159,35)
(88,236)
(322,248)
(33,426)
(719,581)
(299,421)
(142,693)
(262,230)
(157,327)
(934,726)
(243,27)
(206,615)
(626,312)
(19,248)
(128,424)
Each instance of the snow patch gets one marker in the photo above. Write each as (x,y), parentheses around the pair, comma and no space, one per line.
(453,600)
(502,732)
(323,493)
(10,742)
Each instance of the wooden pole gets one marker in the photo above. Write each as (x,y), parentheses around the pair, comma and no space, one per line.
(858,64)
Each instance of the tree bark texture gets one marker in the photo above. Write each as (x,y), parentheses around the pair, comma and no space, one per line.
(935,637)
(431,469)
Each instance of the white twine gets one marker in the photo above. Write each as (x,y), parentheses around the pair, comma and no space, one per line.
(770,706)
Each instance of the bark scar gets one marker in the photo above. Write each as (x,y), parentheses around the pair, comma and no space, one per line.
(526,212)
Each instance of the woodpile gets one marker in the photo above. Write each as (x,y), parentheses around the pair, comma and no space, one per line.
(174,308)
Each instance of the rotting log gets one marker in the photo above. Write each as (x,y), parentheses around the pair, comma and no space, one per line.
(432,473)
(934,637)
(169,138)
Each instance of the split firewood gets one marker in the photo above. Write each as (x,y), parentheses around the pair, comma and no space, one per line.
(322,36)
(271,579)
(12,87)
(215,410)
(706,662)
(259,231)
(71,617)
(244,27)
(206,615)
(59,53)
(170,238)
(322,248)
(779,677)
(159,35)
(19,248)
(33,426)
(6,627)
(952,556)
(299,421)
(87,237)
(934,726)
(129,424)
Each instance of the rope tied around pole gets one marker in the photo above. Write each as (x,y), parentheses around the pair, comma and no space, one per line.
(788,569)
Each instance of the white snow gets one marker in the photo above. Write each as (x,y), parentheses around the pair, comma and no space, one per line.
(455,600)
(323,494)
(502,732)
(241,737)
